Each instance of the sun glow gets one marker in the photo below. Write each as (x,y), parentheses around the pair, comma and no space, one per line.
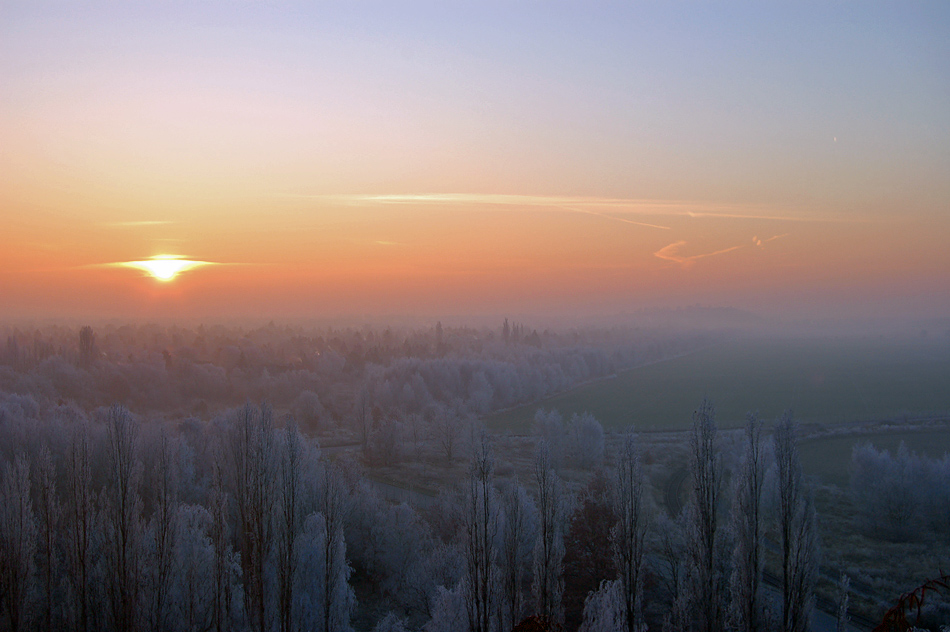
(165,267)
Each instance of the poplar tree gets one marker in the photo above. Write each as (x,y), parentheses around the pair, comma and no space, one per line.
(629,534)
(747,530)
(797,532)
(705,467)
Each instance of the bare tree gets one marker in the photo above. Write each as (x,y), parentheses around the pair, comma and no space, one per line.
(480,530)
(223,556)
(447,427)
(672,546)
(629,534)
(124,512)
(49,510)
(416,427)
(162,530)
(337,598)
(517,545)
(364,418)
(80,521)
(289,514)
(548,584)
(706,469)
(252,453)
(747,530)
(796,520)
(87,346)
(17,543)
(842,595)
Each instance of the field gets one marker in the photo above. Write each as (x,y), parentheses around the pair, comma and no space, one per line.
(826,380)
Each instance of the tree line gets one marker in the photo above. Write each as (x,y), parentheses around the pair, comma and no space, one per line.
(113,522)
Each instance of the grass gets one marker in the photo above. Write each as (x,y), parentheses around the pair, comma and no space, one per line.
(828,380)
(883,570)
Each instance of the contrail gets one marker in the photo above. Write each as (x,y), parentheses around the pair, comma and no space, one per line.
(669,253)
(579,204)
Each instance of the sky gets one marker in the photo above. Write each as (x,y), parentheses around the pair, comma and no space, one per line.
(427,158)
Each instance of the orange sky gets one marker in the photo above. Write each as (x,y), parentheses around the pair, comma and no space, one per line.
(436,163)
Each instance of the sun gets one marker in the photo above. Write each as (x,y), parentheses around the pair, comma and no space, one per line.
(165,267)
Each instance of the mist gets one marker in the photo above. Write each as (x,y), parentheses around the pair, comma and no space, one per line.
(488,317)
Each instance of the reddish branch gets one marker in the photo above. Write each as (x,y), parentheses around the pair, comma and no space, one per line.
(895,619)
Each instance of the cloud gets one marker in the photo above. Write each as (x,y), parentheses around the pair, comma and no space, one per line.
(770,217)
(616,219)
(162,267)
(670,253)
(759,242)
(599,206)
(136,224)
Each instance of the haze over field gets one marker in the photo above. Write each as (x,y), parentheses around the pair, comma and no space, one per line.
(435,158)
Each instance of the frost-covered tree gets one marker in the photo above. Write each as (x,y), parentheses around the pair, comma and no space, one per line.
(397,554)
(705,466)
(448,610)
(480,393)
(891,491)
(548,584)
(308,410)
(797,530)
(325,599)
(387,441)
(391,623)
(587,441)
(192,594)
(629,534)
(746,525)
(604,609)
(548,426)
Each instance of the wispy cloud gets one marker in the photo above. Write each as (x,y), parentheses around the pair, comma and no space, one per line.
(766,216)
(136,224)
(599,206)
(162,267)
(759,241)
(615,218)
(671,253)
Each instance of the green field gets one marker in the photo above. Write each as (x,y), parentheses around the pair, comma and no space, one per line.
(824,380)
